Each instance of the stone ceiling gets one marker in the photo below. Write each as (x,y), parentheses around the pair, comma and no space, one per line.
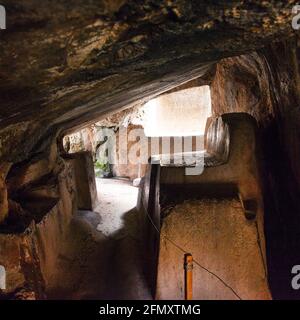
(65,63)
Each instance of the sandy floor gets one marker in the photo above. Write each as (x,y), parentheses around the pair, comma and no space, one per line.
(102,255)
(117,197)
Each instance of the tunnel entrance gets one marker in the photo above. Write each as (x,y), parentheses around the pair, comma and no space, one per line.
(117,200)
(137,189)
(122,144)
(101,257)
(95,71)
(167,125)
(181,113)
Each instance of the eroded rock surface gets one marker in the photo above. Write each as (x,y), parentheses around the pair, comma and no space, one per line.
(64,64)
(216,232)
(31,235)
(266,85)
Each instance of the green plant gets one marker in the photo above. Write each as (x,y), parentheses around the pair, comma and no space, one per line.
(102,169)
(104,166)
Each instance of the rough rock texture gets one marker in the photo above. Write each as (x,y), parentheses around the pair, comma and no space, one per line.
(241,171)
(84,172)
(128,144)
(4,168)
(65,63)
(222,240)
(40,201)
(266,84)
(101,257)
(92,138)
(166,189)
(79,141)
(30,254)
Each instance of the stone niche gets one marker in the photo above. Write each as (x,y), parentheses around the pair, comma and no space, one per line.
(41,202)
(216,216)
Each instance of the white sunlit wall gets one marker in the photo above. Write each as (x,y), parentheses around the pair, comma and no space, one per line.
(182,113)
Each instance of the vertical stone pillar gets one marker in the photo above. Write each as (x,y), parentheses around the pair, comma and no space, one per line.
(87,198)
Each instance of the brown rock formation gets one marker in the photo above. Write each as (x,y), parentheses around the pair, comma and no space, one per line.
(216,232)
(266,85)
(189,207)
(4,168)
(31,236)
(67,64)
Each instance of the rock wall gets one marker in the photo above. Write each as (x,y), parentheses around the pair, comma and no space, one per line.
(4,168)
(84,172)
(201,215)
(86,139)
(217,216)
(216,232)
(266,85)
(72,65)
(131,169)
(128,147)
(41,197)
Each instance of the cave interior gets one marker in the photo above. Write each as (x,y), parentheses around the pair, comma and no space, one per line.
(135,132)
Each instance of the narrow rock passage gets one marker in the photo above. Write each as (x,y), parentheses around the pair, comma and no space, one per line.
(102,255)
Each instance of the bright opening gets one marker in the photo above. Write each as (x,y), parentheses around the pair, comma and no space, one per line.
(182,113)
